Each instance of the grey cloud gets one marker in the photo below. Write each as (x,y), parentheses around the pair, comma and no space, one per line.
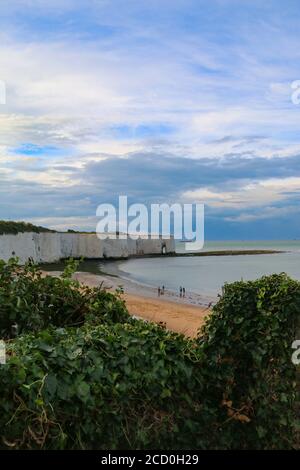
(145,177)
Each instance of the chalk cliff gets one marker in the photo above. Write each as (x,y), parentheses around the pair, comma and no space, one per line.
(51,247)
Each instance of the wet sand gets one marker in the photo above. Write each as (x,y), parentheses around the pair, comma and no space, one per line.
(182,315)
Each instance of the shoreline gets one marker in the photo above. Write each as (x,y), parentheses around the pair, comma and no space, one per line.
(181,315)
(136,287)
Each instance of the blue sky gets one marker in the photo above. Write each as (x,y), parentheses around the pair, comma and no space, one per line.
(165,101)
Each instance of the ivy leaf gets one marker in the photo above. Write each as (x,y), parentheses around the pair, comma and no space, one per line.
(83,390)
(51,384)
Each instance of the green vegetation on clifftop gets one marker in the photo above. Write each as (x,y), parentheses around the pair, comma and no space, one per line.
(9,227)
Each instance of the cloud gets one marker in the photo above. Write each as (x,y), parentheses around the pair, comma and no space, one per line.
(255,194)
(157,100)
(228,186)
(275,213)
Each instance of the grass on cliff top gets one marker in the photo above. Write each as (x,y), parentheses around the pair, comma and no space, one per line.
(9,227)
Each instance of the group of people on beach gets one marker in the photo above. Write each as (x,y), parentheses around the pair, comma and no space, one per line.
(161,291)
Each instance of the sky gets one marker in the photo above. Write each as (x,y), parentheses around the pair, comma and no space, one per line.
(163,101)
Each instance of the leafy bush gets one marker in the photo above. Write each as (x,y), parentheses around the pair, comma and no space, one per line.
(247,342)
(109,386)
(116,382)
(30,301)
(9,227)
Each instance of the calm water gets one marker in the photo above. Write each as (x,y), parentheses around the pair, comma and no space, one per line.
(206,275)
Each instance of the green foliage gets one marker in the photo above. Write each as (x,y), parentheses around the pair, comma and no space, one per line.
(9,227)
(30,301)
(109,386)
(93,378)
(247,342)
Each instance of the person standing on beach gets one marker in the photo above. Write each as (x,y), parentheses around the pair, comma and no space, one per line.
(163,290)
(180,290)
(158,291)
(183,291)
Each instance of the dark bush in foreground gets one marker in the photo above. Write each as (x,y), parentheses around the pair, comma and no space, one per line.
(30,302)
(116,386)
(135,385)
(247,342)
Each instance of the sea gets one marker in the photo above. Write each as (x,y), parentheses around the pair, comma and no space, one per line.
(206,275)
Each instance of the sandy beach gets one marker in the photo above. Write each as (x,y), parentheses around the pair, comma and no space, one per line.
(181,318)
(182,315)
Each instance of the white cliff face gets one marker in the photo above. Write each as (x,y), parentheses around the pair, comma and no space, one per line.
(51,247)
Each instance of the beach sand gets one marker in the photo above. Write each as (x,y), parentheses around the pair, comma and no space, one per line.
(185,319)
(182,315)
